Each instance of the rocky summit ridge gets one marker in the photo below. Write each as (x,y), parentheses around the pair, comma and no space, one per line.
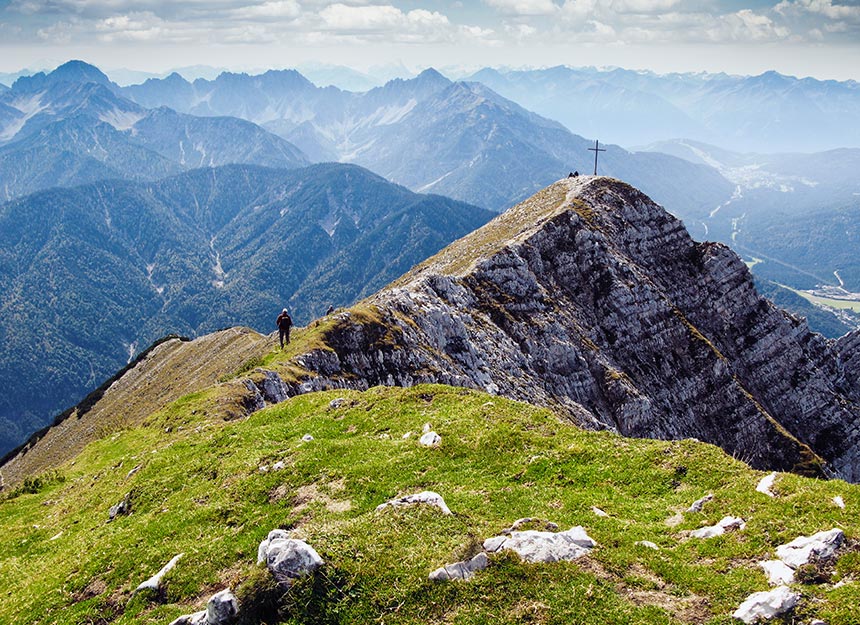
(591,299)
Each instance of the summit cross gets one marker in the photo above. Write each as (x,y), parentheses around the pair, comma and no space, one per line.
(596,149)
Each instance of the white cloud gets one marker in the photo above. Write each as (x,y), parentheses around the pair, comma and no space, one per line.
(378,17)
(643,6)
(523,7)
(274,9)
(824,8)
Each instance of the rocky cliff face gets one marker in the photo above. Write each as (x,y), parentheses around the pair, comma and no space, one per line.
(591,298)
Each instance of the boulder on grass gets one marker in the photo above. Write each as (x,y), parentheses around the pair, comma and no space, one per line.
(803,549)
(289,558)
(534,546)
(766,605)
(461,570)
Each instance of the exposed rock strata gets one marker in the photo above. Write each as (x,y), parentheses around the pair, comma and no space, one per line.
(592,299)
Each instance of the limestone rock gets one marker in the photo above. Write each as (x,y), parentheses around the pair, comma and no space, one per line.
(648,544)
(534,546)
(778,572)
(430,439)
(123,507)
(461,570)
(803,549)
(425,497)
(263,549)
(307,438)
(699,503)
(766,483)
(198,618)
(290,558)
(154,582)
(766,605)
(598,511)
(279,465)
(839,502)
(338,402)
(726,524)
(222,609)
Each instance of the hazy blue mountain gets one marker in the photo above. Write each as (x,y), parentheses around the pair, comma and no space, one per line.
(75,72)
(765,113)
(91,275)
(339,76)
(71,127)
(796,212)
(432,134)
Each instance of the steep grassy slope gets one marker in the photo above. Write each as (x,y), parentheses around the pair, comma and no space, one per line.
(197,489)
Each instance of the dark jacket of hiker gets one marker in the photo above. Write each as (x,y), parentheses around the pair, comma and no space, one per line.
(284,321)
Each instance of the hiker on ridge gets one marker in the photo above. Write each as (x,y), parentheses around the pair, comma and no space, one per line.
(284,323)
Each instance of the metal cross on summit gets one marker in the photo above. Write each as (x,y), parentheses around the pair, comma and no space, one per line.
(596,149)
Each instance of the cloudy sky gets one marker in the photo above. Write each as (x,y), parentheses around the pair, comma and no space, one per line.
(818,38)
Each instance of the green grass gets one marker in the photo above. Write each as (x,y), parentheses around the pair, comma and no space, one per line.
(199,491)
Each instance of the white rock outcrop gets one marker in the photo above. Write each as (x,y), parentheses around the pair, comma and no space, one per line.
(287,558)
(154,582)
(778,572)
(766,483)
(198,618)
(803,549)
(647,544)
(839,502)
(766,605)
(534,546)
(222,609)
(430,439)
(263,549)
(699,503)
(461,570)
(726,524)
(427,497)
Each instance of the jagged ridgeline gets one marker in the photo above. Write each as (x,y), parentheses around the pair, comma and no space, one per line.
(588,300)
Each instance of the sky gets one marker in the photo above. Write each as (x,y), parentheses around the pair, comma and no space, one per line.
(819,38)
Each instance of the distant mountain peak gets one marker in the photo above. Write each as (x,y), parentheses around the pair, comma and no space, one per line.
(70,72)
(79,71)
(431,74)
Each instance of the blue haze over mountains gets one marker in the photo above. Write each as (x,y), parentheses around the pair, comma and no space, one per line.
(162,238)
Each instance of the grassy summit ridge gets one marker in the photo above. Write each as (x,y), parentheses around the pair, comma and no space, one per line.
(199,491)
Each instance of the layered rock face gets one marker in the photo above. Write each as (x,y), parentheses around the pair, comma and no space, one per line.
(591,299)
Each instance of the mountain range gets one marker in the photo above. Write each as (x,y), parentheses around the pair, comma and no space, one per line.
(765,113)
(72,126)
(91,275)
(430,134)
